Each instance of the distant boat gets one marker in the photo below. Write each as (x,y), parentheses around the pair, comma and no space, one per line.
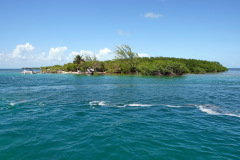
(30,71)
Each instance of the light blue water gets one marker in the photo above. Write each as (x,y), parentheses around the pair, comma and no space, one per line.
(56,116)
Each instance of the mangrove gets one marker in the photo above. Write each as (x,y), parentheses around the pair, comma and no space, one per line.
(128,62)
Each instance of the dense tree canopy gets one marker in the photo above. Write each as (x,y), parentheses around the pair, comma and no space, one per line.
(78,60)
(128,62)
(128,59)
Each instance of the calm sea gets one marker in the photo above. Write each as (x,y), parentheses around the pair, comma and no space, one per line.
(58,117)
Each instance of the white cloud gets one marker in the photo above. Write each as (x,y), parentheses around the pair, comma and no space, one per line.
(24,56)
(73,54)
(88,53)
(22,51)
(20,56)
(123,33)
(104,51)
(143,55)
(152,15)
(102,55)
(56,54)
(42,56)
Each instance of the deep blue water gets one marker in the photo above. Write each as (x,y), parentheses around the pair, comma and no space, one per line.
(57,116)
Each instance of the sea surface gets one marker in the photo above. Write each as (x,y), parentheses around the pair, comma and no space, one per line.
(72,117)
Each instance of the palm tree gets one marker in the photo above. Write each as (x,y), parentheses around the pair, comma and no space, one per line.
(77,60)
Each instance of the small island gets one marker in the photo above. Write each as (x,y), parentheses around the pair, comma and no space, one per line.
(128,62)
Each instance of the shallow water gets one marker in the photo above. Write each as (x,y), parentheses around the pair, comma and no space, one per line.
(57,116)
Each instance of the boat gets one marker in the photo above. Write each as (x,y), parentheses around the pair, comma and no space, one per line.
(30,71)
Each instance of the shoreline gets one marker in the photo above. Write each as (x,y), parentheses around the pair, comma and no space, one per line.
(81,73)
(105,73)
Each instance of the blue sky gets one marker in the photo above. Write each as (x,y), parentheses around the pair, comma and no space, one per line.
(48,32)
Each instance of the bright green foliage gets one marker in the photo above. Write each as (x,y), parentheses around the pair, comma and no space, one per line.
(57,68)
(91,63)
(111,66)
(70,67)
(128,62)
(127,59)
(148,68)
(198,70)
(78,60)
(160,67)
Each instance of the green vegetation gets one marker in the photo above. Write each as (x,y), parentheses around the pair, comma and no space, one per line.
(127,61)
(77,60)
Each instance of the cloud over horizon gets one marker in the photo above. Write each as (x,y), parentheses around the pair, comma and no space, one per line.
(23,55)
(104,54)
(56,54)
(143,55)
(22,51)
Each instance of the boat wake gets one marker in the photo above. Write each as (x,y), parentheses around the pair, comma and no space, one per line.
(103,103)
(139,105)
(12,104)
(134,105)
(206,108)
(97,103)
(215,110)
(174,106)
(17,102)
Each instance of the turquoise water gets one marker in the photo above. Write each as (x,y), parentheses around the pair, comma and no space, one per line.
(56,116)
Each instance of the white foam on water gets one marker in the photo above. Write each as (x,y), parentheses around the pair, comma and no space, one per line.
(208,110)
(41,104)
(233,115)
(214,110)
(12,104)
(135,105)
(174,106)
(122,106)
(139,105)
(102,103)
(93,103)
(97,103)
(15,103)
(191,105)
(19,102)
